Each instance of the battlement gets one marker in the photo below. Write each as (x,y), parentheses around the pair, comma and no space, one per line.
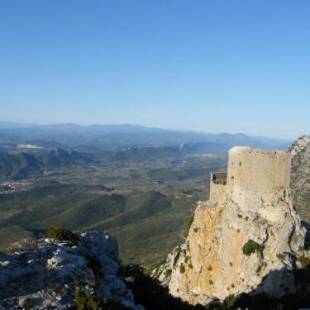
(219,178)
(258,170)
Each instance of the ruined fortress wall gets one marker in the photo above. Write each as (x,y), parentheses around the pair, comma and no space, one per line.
(216,191)
(258,170)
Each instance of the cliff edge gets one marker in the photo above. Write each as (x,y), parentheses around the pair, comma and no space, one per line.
(247,238)
(300,177)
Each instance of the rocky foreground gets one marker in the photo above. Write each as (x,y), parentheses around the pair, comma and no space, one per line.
(56,274)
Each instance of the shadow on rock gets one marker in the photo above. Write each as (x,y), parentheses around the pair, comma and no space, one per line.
(149,293)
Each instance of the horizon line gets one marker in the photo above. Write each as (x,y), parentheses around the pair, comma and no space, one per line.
(30,124)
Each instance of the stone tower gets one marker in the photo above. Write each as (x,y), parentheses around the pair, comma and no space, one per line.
(252,174)
(258,170)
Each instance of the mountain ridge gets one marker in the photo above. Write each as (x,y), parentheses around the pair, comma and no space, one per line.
(111,136)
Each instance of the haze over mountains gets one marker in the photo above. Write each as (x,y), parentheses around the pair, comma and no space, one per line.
(29,150)
(113,136)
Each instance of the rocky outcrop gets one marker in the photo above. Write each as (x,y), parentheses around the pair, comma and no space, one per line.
(246,238)
(300,179)
(60,274)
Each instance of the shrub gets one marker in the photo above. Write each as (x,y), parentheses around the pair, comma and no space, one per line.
(251,247)
(182,268)
(209,267)
(304,261)
(304,248)
(61,234)
(168,273)
(229,301)
(259,269)
(84,300)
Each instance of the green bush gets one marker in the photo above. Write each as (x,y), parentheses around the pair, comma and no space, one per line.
(61,234)
(182,268)
(84,300)
(259,269)
(304,248)
(229,301)
(251,247)
(168,273)
(304,261)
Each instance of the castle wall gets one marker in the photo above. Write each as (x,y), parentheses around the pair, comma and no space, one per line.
(217,191)
(258,170)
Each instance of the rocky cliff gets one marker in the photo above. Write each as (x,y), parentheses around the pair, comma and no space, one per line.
(247,238)
(53,274)
(300,179)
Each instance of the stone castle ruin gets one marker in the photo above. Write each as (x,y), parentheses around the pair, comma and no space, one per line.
(248,205)
(255,170)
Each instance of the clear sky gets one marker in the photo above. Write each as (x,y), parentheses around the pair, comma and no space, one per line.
(214,66)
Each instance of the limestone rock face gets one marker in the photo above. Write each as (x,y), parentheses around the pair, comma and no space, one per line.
(48,276)
(300,178)
(246,237)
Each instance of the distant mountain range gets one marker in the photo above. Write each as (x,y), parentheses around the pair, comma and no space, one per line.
(107,137)
(30,150)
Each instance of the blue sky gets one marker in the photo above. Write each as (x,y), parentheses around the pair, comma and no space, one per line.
(214,66)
